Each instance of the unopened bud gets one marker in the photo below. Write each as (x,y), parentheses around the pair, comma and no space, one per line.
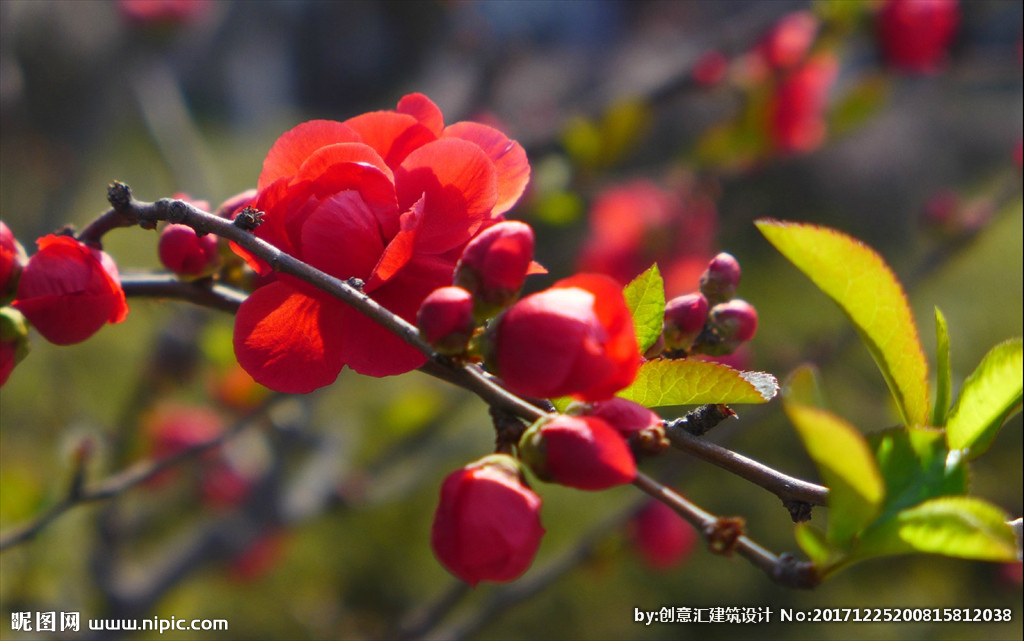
(719,281)
(684,319)
(185,253)
(583,452)
(445,319)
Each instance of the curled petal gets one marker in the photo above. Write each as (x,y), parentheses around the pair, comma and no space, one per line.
(343,215)
(400,250)
(289,341)
(508,156)
(297,144)
(424,110)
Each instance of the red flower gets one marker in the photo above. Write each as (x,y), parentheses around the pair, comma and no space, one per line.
(789,40)
(639,223)
(389,197)
(797,110)
(662,537)
(487,525)
(575,338)
(583,452)
(915,34)
(12,260)
(68,291)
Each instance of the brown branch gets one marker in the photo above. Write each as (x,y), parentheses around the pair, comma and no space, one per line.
(204,292)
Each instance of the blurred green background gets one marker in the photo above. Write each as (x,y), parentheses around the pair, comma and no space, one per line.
(347,478)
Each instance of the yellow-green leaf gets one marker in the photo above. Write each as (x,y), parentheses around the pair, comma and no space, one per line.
(944,374)
(859,281)
(847,466)
(665,382)
(959,526)
(802,386)
(988,397)
(645,298)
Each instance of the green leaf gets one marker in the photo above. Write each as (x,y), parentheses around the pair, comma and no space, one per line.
(913,464)
(859,281)
(645,297)
(944,375)
(847,467)
(802,387)
(694,382)
(959,526)
(989,396)
(813,542)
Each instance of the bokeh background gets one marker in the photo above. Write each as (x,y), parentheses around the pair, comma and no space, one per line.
(314,522)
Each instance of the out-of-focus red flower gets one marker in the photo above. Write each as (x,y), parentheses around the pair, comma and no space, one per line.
(636,224)
(173,429)
(576,338)
(797,109)
(494,265)
(789,40)
(915,34)
(710,68)
(445,319)
(12,261)
(184,252)
(163,12)
(487,524)
(68,291)
(236,389)
(389,197)
(256,560)
(583,452)
(663,538)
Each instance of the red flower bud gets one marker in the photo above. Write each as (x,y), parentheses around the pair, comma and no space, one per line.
(494,265)
(13,341)
(575,338)
(719,281)
(183,252)
(710,68)
(915,34)
(735,320)
(445,319)
(797,110)
(487,525)
(662,537)
(12,261)
(788,42)
(68,291)
(684,319)
(625,416)
(583,452)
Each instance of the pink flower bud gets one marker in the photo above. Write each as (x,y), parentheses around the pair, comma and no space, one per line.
(788,42)
(576,338)
(662,537)
(625,416)
(445,319)
(68,291)
(13,341)
(487,525)
(735,320)
(184,252)
(684,318)
(583,452)
(494,265)
(915,34)
(719,281)
(12,261)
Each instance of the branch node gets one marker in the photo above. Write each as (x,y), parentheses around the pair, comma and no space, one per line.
(701,420)
(248,219)
(119,195)
(724,533)
(796,574)
(356,283)
(799,511)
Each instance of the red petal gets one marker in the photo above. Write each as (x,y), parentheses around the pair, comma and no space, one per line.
(294,146)
(424,110)
(392,135)
(508,156)
(460,185)
(272,229)
(288,341)
(378,352)
(68,318)
(400,250)
(341,237)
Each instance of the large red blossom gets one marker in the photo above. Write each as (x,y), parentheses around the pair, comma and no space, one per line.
(388,197)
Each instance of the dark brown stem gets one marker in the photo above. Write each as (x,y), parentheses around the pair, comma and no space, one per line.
(204,292)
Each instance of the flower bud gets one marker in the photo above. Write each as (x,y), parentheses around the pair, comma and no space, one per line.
(13,341)
(583,452)
(487,525)
(445,319)
(624,415)
(788,42)
(576,338)
(12,261)
(185,253)
(68,291)
(684,319)
(494,265)
(915,34)
(662,537)
(719,281)
(732,323)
